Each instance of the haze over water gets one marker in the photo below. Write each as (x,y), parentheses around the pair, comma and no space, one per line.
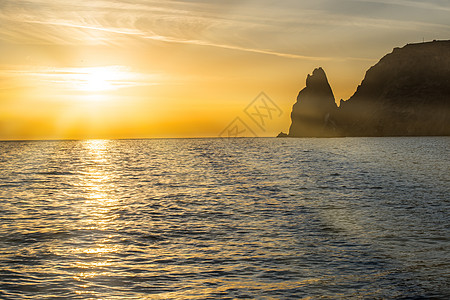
(218,218)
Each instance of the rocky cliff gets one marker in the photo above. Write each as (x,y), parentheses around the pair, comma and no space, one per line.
(406,93)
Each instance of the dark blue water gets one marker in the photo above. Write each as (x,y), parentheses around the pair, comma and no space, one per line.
(361,218)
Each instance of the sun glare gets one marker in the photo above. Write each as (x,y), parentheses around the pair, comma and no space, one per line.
(100,79)
(88,82)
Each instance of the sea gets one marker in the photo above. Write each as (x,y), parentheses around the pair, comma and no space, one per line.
(245,218)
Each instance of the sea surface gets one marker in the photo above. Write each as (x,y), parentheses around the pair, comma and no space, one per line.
(264,218)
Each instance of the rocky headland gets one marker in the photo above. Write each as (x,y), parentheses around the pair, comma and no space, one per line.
(407,93)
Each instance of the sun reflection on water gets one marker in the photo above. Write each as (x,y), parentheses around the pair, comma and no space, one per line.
(99,199)
(96,149)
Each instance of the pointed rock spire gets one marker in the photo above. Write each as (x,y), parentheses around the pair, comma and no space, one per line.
(313,112)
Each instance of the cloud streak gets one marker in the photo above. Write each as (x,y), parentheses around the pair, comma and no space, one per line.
(168,39)
(251,50)
(237,26)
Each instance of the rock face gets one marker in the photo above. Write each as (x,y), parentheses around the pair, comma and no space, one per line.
(314,108)
(406,93)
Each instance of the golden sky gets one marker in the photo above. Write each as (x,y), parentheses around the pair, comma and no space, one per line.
(138,69)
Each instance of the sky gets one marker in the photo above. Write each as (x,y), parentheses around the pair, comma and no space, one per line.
(153,69)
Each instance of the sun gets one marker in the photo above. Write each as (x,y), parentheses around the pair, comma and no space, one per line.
(100,79)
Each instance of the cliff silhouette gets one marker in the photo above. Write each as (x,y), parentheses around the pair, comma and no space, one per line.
(407,93)
(314,108)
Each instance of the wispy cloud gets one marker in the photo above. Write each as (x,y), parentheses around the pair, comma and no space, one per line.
(428,5)
(169,39)
(248,26)
(251,50)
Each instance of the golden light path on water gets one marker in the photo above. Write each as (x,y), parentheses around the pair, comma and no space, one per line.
(99,201)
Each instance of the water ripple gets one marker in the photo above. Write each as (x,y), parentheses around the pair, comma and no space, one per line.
(211,218)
